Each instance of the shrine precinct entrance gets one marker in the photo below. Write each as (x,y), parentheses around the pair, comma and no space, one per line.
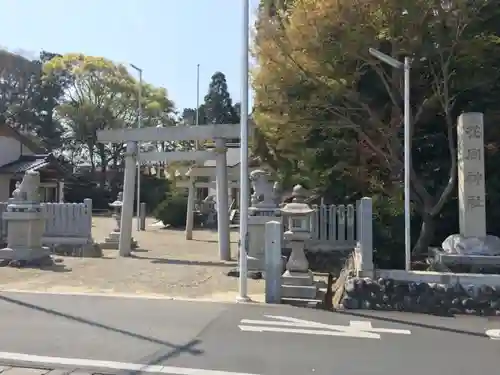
(218,132)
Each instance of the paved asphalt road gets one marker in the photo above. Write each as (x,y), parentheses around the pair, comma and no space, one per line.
(202,335)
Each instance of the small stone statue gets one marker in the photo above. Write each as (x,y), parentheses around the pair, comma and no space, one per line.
(16,194)
(27,190)
(277,193)
(263,188)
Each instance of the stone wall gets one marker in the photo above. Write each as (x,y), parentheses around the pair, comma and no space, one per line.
(432,298)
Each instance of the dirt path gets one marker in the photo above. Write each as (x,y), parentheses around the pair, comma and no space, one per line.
(165,265)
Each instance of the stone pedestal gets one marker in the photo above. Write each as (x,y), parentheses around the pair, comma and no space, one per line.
(298,280)
(25,223)
(263,210)
(113,240)
(256,237)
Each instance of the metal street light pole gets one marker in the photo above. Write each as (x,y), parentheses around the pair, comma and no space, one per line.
(198,94)
(406,66)
(244,182)
(407,161)
(139,125)
(197,121)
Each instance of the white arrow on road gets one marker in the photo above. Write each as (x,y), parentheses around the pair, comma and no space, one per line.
(286,324)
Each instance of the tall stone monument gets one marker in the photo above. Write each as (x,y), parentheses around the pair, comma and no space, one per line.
(471,191)
(472,239)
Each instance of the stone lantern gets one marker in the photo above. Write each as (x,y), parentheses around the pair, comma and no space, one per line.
(25,223)
(298,279)
(113,240)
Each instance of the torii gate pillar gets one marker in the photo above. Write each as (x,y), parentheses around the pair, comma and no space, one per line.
(190,209)
(127,213)
(222,199)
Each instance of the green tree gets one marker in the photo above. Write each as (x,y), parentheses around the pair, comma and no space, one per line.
(328,110)
(27,101)
(17,75)
(46,96)
(103,95)
(218,105)
(217,108)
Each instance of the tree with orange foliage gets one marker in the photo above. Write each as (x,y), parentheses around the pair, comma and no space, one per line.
(316,87)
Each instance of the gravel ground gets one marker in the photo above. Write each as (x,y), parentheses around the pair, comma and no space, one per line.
(164,265)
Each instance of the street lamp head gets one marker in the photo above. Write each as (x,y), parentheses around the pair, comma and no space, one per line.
(386,58)
(136,68)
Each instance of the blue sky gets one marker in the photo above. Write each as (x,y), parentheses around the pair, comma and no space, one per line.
(166,38)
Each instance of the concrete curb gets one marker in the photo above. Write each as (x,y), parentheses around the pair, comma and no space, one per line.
(140,296)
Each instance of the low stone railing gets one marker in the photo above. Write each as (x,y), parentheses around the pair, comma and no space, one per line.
(66,223)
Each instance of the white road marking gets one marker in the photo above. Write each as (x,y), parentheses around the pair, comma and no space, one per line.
(360,329)
(358,334)
(367,327)
(493,333)
(111,365)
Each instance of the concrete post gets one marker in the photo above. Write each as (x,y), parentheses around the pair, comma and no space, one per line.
(88,204)
(222,199)
(471,185)
(128,200)
(364,248)
(190,209)
(142,209)
(273,262)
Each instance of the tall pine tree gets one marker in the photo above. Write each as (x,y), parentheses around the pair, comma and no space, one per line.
(218,106)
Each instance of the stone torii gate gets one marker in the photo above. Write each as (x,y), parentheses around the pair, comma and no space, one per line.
(233,178)
(217,132)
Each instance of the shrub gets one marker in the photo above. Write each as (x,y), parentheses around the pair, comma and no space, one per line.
(76,192)
(172,211)
(154,191)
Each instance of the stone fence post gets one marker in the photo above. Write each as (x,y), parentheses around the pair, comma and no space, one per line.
(363,253)
(142,215)
(88,204)
(273,261)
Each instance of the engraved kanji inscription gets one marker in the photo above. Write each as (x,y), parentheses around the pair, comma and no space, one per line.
(473,131)
(474,201)
(473,154)
(474,178)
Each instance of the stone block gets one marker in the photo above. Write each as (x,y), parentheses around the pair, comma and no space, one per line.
(26,254)
(302,302)
(298,278)
(89,250)
(299,291)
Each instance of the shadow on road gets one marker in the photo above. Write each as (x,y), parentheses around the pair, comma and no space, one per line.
(367,315)
(170,351)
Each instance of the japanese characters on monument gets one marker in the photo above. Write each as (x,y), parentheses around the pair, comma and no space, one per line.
(471,190)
